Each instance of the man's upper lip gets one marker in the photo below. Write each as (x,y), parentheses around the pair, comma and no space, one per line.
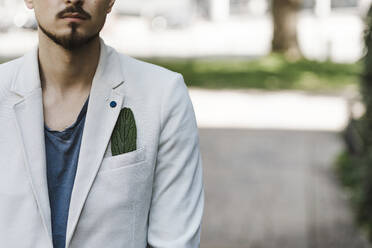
(74,15)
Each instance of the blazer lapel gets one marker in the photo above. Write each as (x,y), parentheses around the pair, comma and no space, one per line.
(99,123)
(30,124)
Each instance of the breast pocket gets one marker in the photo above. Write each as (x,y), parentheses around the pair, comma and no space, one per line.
(118,162)
(120,190)
(123,179)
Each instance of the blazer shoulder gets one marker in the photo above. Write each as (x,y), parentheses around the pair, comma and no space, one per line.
(149,73)
(8,71)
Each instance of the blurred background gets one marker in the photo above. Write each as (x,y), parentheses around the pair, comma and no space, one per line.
(282,94)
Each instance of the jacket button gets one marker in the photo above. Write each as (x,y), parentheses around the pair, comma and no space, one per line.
(112,104)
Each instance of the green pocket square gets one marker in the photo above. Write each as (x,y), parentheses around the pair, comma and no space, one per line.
(124,136)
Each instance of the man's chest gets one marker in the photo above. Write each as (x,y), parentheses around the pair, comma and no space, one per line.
(59,115)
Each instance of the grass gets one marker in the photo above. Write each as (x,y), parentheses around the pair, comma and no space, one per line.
(3,59)
(272,72)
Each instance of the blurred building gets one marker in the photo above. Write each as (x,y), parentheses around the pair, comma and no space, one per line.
(181,13)
(327,29)
(163,13)
(14,13)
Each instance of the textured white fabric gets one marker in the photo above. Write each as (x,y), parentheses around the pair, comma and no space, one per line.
(152,196)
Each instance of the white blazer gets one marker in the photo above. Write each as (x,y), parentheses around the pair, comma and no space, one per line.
(152,196)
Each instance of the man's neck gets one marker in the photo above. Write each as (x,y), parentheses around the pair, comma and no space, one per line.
(63,71)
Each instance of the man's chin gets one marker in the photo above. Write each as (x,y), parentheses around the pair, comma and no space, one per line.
(72,41)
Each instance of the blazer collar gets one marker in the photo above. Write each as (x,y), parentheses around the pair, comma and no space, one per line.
(109,69)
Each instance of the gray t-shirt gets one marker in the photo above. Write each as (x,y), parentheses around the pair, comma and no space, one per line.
(62,153)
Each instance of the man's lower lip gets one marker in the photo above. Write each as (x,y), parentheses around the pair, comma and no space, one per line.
(73,19)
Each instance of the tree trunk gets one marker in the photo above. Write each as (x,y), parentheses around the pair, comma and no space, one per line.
(285,17)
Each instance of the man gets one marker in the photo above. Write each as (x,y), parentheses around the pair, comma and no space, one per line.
(97,149)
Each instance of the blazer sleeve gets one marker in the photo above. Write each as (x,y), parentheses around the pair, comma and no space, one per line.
(178,194)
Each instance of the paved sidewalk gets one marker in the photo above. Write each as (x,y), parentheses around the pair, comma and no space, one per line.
(288,110)
(273,189)
(268,170)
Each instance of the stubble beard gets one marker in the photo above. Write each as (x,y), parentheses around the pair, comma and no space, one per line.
(71,41)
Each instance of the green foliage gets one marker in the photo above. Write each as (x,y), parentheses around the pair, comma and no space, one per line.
(355,168)
(354,172)
(364,162)
(273,72)
(351,176)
